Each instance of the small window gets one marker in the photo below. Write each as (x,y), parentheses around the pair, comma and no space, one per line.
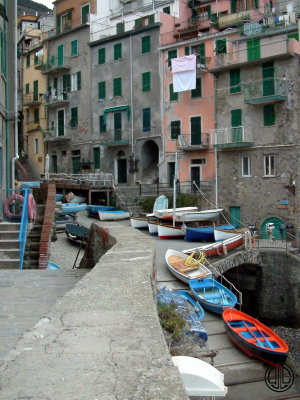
(197,92)
(187,51)
(27,88)
(269,165)
(235,81)
(146,81)
(146,119)
(220,46)
(246,166)
(198,161)
(146,44)
(175,129)
(173,95)
(117,51)
(269,115)
(36,115)
(171,54)
(74,117)
(167,10)
(101,56)
(120,27)
(28,61)
(74,48)
(101,90)
(102,124)
(117,87)
(36,145)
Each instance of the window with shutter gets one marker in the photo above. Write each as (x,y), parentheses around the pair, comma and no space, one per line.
(197,92)
(236,124)
(101,90)
(101,56)
(117,87)
(96,151)
(138,23)
(146,44)
(118,126)
(151,19)
(27,88)
(117,51)
(253,49)
(146,81)
(74,48)
(171,54)
(28,61)
(173,95)
(187,51)
(268,78)
(201,54)
(60,55)
(102,124)
(195,130)
(78,80)
(220,46)
(36,115)
(74,117)
(85,10)
(120,27)
(35,90)
(58,24)
(269,115)
(175,129)
(146,119)
(235,81)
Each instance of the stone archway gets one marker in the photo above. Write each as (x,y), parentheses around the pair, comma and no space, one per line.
(149,161)
(276,232)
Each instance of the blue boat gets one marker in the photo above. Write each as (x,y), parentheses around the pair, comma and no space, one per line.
(92,210)
(53,265)
(184,308)
(212,295)
(72,208)
(194,303)
(204,233)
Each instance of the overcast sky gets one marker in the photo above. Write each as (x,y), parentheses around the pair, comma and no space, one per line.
(47,3)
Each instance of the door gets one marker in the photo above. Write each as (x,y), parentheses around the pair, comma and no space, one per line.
(35,90)
(85,10)
(236,124)
(195,177)
(76,165)
(235,216)
(54,163)
(122,170)
(96,157)
(60,55)
(60,123)
(268,79)
(171,173)
(195,130)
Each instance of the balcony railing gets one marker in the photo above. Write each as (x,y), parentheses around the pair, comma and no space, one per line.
(31,99)
(270,90)
(56,99)
(190,142)
(33,126)
(56,134)
(232,137)
(55,64)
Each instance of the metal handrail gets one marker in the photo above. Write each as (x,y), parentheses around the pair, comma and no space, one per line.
(23,227)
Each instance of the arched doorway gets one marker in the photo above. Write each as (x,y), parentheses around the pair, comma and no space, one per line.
(276,233)
(149,161)
(121,167)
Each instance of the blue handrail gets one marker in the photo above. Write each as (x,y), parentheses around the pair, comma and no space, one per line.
(23,226)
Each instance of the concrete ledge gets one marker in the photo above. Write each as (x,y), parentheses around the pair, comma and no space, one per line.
(102,340)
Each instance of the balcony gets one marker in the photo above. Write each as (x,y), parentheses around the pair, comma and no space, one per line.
(265,91)
(57,100)
(232,138)
(33,126)
(56,65)
(56,135)
(31,100)
(118,138)
(189,142)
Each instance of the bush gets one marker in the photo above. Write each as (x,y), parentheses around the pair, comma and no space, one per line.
(147,204)
(170,320)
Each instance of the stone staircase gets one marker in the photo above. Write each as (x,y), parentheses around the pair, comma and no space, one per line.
(9,245)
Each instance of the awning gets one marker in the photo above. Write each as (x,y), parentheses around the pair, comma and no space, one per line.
(119,108)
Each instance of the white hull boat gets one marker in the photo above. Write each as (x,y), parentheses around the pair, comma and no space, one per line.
(223,234)
(176,265)
(113,215)
(170,232)
(153,227)
(169,211)
(204,215)
(72,208)
(139,222)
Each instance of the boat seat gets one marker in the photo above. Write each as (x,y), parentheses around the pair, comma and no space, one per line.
(212,296)
(179,264)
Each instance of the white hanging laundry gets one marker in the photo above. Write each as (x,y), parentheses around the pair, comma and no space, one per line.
(184,73)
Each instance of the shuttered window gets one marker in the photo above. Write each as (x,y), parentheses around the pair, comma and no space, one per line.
(220,46)
(117,51)
(269,115)
(35,90)
(146,81)
(78,80)
(175,129)
(74,117)
(236,124)
(66,83)
(101,56)
(235,81)
(187,51)
(96,157)
(85,10)
(36,115)
(117,90)
(120,27)
(171,54)
(146,119)
(201,53)
(173,95)
(27,88)
(253,49)
(28,61)
(118,126)
(101,90)
(268,78)
(74,48)
(195,130)
(146,44)
(197,92)
(102,125)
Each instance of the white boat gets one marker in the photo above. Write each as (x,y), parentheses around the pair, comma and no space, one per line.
(203,215)
(223,234)
(113,215)
(72,198)
(200,378)
(153,226)
(170,232)
(139,222)
(176,265)
(169,211)
(71,208)
(219,248)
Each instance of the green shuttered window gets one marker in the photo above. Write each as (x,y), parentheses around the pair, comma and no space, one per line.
(269,115)
(171,54)
(235,81)
(253,49)
(120,27)
(198,91)
(101,90)
(96,157)
(74,117)
(146,119)
(175,129)
(173,95)
(74,48)
(146,81)
(220,46)
(117,51)
(146,44)
(36,115)
(236,124)
(101,56)
(102,124)
(195,130)
(117,87)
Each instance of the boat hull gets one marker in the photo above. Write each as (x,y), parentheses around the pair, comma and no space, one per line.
(170,232)
(204,215)
(113,215)
(223,234)
(139,223)
(212,295)
(219,248)
(203,233)
(169,211)
(254,338)
(72,208)
(153,227)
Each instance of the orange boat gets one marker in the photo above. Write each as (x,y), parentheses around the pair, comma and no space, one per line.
(254,338)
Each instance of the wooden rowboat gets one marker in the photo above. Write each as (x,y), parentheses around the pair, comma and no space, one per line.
(139,222)
(218,248)
(203,215)
(223,234)
(153,226)
(176,264)
(170,232)
(254,338)
(113,215)
(203,233)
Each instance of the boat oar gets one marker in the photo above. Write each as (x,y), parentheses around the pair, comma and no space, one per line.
(253,335)
(266,339)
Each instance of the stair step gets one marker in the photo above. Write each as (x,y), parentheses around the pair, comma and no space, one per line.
(9,235)
(9,254)
(10,264)
(9,244)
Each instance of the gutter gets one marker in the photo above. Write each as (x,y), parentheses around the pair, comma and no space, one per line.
(16,157)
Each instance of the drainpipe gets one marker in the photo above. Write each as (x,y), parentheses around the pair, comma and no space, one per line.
(131,93)
(16,157)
